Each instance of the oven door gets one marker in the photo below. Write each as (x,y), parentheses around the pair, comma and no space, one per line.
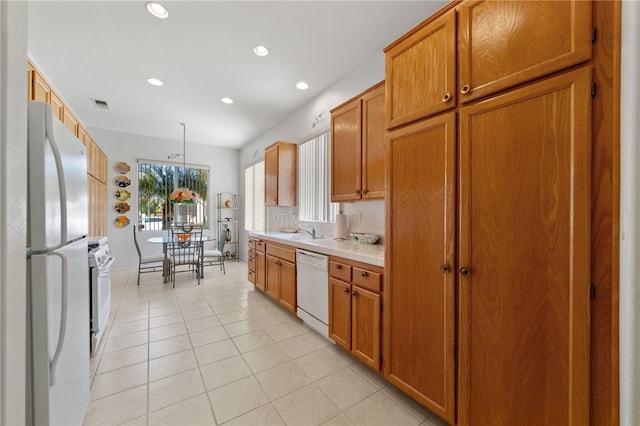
(100,297)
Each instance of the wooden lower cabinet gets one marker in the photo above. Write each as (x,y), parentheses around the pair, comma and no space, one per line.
(251,265)
(287,295)
(279,274)
(365,326)
(261,270)
(354,311)
(340,312)
(273,277)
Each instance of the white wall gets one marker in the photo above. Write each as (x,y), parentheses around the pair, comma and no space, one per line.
(13,210)
(299,127)
(629,218)
(223,177)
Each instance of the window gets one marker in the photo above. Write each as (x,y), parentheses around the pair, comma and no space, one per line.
(156,181)
(254,213)
(314,186)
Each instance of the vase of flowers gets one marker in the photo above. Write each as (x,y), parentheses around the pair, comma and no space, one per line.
(184,205)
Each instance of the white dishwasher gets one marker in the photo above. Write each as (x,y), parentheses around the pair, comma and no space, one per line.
(313,290)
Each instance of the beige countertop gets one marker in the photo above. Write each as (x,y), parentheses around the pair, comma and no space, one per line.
(372,254)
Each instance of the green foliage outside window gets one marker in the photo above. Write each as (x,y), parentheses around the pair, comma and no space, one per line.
(155,184)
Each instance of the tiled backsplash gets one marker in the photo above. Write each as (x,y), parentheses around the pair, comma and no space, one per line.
(362,216)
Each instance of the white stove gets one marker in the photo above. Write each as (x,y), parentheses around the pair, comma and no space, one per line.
(100,261)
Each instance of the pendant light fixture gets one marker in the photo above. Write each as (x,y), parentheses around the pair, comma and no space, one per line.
(184,197)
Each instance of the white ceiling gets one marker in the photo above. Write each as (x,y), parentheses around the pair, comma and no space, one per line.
(203,52)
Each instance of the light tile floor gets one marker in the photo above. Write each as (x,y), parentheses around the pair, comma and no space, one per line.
(222,353)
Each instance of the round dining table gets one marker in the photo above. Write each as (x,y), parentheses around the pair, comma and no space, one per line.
(166,239)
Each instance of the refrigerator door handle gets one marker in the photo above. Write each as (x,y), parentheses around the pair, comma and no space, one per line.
(63,319)
(61,185)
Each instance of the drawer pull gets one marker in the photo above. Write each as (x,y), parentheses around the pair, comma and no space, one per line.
(338,266)
(364,274)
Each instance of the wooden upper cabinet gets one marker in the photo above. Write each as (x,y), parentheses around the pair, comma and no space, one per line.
(280,169)
(82,135)
(346,156)
(505,43)
(57,107)
(41,89)
(357,147)
(421,71)
(70,121)
(373,136)
(524,255)
(101,162)
(30,72)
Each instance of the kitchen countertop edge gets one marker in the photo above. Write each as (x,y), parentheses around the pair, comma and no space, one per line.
(372,254)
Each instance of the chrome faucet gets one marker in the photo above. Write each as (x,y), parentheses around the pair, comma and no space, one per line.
(312,232)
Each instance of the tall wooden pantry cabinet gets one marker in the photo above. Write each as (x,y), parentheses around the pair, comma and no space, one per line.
(488,270)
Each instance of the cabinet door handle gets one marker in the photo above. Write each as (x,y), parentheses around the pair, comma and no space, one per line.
(358,191)
(446,97)
(465,89)
(465,272)
(338,266)
(445,269)
(365,191)
(353,293)
(346,290)
(364,274)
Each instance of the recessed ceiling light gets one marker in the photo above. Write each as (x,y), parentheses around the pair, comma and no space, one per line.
(154,81)
(157,10)
(260,50)
(226,100)
(302,85)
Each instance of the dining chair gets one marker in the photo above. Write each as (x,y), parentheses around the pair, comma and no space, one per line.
(147,264)
(185,248)
(213,257)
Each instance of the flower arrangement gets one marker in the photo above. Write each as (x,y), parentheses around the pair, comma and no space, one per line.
(183,196)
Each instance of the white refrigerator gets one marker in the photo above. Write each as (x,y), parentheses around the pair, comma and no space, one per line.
(58,281)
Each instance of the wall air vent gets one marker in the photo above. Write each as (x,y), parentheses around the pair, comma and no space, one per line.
(100,104)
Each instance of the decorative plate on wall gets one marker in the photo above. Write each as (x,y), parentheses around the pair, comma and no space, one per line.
(122,194)
(121,221)
(122,167)
(122,181)
(122,207)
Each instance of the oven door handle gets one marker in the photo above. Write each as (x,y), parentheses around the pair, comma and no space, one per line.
(107,264)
